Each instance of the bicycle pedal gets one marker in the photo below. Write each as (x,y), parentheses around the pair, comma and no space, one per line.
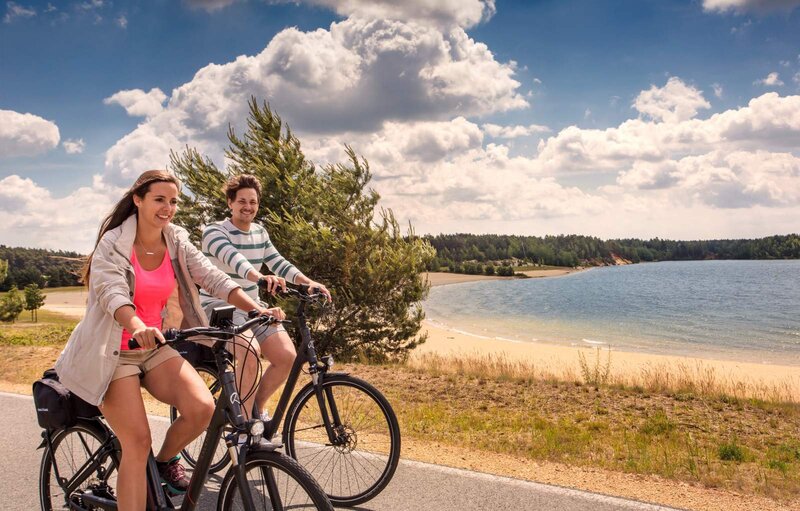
(169,492)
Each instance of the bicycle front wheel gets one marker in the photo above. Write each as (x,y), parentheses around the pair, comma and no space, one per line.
(359,463)
(276,482)
(72,449)
(192,451)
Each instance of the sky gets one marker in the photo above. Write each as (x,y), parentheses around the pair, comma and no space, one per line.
(641,118)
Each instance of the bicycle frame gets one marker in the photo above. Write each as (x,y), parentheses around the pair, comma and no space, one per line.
(228,402)
(306,354)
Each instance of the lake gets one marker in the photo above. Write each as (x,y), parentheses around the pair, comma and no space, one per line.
(735,310)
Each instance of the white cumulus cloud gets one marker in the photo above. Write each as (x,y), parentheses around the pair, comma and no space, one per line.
(724,180)
(353,78)
(26,134)
(768,122)
(673,102)
(497,131)
(757,6)
(137,102)
(771,80)
(445,13)
(74,146)
(31,217)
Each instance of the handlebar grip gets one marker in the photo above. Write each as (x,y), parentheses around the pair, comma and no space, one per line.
(252,314)
(169,334)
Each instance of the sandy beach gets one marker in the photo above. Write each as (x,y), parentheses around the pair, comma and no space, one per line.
(442,279)
(563,361)
(70,303)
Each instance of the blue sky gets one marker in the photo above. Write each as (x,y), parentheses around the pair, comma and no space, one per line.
(640,118)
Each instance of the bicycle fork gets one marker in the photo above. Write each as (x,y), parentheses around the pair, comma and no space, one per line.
(327,403)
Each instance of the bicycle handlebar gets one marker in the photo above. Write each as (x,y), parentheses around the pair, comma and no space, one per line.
(174,335)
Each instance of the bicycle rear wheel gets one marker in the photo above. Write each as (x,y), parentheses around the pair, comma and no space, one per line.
(192,451)
(360,464)
(276,482)
(72,449)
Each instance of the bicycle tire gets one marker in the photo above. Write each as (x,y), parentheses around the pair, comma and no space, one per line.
(296,489)
(350,474)
(72,447)
(191,452)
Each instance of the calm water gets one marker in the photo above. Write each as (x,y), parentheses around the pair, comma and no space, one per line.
(740,310)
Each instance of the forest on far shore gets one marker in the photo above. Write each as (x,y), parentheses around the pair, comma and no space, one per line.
(454,252)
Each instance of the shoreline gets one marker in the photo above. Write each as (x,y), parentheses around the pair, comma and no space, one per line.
(631,368)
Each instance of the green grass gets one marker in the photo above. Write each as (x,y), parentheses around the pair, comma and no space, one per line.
(41,335)
(682,423)
(65,289)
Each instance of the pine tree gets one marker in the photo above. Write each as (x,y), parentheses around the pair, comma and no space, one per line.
(11,305)
(34,299)
(326,221)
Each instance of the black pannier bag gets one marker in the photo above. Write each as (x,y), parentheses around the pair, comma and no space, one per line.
(57,407)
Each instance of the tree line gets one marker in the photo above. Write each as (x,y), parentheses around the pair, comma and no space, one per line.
(456,252)
(45,268)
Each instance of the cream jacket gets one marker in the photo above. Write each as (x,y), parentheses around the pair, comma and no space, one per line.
(90,357)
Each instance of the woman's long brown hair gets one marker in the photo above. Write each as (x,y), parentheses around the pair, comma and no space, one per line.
(125,208)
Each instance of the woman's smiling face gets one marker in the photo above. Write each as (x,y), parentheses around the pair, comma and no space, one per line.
(158,205)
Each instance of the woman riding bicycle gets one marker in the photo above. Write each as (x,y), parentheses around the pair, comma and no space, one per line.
(139,260)
(239,247)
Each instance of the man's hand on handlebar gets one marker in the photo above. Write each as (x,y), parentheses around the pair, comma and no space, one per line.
(148,337)
(316,287)
(272,284)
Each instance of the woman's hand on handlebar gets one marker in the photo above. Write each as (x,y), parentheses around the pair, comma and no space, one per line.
(276,312)
(148,337)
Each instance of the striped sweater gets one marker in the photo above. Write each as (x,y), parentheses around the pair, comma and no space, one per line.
(237,253)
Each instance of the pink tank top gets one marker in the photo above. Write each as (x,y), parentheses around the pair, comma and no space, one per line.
(153,289)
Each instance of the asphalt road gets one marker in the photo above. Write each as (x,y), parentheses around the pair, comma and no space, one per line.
(416,486)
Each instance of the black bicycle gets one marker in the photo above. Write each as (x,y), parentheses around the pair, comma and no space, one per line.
(79,464)
(339,427)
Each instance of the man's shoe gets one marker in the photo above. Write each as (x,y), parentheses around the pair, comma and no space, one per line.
(173,474)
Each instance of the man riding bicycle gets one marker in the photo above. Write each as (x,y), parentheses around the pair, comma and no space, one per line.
(240,247)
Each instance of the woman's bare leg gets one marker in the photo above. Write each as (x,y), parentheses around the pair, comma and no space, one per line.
(124,410)
(176,383)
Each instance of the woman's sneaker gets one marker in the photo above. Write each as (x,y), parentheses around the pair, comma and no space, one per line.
(173,475)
